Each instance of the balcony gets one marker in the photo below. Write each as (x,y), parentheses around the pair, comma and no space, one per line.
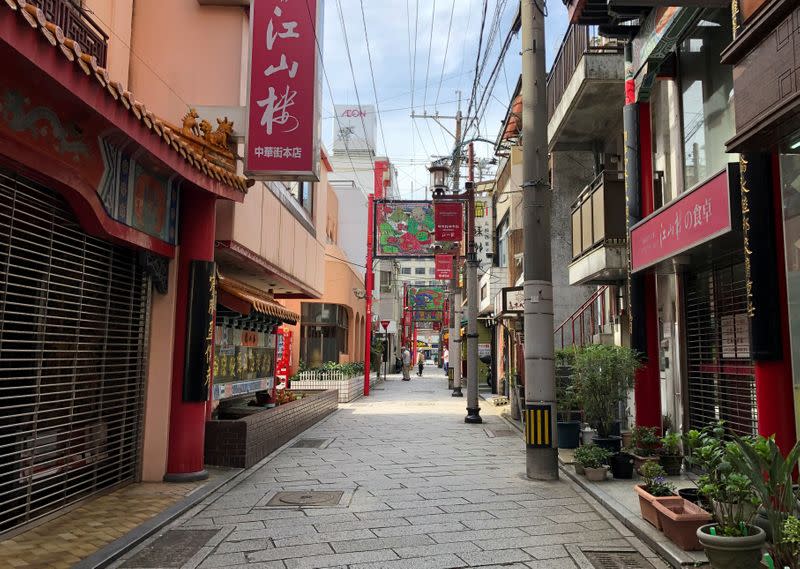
(76,25)
(599,242)
(585,90)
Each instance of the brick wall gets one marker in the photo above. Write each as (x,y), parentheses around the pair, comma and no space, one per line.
(243,442)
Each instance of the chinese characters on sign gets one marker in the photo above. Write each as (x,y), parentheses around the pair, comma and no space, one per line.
(513,300)
(483,231)
(696,217)
(444,267)
(449,221)
(282,137)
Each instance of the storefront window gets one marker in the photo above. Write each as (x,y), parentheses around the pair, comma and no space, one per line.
(323,333)
(790,188)
(707,96)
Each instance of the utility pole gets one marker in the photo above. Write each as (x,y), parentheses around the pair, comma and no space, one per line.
(455,328)
(369,285)
(473,410)
(540,393)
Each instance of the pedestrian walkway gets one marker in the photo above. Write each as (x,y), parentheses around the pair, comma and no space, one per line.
(397,480)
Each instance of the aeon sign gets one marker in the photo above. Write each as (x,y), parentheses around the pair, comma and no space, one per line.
(355,128)
(357,113)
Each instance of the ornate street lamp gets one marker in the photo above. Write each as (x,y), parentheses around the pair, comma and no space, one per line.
(439,172)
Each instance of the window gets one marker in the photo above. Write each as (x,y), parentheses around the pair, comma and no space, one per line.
(484,292)
(502,243)
(431,270)
(303,193)
(405,271)
(386,281)
(707,96)
(419,271)
(323,332)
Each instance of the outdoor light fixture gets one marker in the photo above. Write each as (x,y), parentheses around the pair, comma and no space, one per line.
(439,172)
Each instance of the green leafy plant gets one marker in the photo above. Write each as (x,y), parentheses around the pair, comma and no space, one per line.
(645,441)
(654,480)
(592,456)
(670,444)
(603,376)
(791,537)
(769,475)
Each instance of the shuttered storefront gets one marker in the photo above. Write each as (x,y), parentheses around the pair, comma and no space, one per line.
(73,323)
(720,371)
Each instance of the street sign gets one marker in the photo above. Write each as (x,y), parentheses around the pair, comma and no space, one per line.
(444,267)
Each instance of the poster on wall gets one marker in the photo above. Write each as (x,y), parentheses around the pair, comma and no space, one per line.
(404,229)
(282,141)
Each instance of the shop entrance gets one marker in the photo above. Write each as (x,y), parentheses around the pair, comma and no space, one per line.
(73,324)
(720,371)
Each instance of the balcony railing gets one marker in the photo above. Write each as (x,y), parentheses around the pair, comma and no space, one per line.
(578,41)
(590,319)
(76,25)
(598,215)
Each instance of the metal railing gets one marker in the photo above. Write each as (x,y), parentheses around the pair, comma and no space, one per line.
(578,40)
(590,319)
(597,214)
(76,25)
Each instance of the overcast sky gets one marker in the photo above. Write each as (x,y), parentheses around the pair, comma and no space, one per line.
(395,32)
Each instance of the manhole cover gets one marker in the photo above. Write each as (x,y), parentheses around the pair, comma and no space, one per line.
(173,549)
(310,498)
(617,560)
(310,443)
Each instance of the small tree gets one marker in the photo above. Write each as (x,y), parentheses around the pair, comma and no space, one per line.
(604,374)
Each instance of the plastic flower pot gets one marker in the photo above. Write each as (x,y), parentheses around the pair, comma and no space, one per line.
(610,443)
(622,465)
(639,461)
(679,520)
(733,552)
(691,494)
(579,469)
(672,464)
(646,506)
(587,435)
(596,474)
(569,434)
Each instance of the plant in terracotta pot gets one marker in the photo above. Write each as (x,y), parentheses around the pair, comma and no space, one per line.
(603,376)
(645,443)
(594,460)
(770,476)
(654,485)
(670,453)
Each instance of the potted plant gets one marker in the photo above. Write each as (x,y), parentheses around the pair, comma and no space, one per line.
(622,464)
(568,403)
(594,460)
(731,541)
(770,475)
(654,485)
(670,452)
(603,376)
(644,442)
(679,519)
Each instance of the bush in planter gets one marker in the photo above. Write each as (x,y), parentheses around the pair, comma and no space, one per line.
(791,538)
(594,460)
(603,376)
(671,456)
(567,401)
(770,476)
(654,485)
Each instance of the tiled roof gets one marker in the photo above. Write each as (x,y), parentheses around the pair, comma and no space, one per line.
(259,300)
(73,53)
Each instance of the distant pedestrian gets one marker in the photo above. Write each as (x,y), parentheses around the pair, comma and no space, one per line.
(406,364)
(420,362)
(446,360)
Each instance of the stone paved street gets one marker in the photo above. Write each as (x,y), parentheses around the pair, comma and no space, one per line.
(420,489)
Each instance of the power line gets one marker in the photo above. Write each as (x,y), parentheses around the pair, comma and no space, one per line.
(372,75)
(446,48)
(430,49)
(478,58)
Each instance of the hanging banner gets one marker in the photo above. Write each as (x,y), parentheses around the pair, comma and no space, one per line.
(426,298)
(403,229)
(200,310)
(443,267)
(449,220)
(484,231)
(282,141)
(427,315)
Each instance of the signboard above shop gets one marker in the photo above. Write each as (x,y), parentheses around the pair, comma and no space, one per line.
(282,141)
(694,218)
(513,301)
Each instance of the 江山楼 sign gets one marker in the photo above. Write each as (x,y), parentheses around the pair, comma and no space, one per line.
(283,95)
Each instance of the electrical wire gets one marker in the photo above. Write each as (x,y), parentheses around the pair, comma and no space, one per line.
(446,48)
(372,75)
(430,49)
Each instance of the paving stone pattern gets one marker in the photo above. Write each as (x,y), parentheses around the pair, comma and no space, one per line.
(426,491)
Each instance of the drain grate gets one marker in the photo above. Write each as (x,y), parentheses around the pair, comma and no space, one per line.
(491,433)
(617,560)
(309,498)
(310,443)
(173,549)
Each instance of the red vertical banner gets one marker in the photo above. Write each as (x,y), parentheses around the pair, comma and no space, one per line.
(282,139)
(443,267)
(449,220)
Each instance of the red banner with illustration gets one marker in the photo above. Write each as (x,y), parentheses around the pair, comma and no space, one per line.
(449,221)
(694,218)
(283,94)
(403,229)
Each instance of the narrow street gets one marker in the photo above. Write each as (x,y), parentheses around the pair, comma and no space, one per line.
(419,488)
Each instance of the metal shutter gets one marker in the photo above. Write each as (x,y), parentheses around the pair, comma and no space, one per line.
(721,374)
(73,319)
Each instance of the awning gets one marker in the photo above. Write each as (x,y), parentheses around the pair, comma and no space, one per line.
(239,296)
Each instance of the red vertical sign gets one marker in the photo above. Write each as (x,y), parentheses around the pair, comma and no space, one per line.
(283,95)
(444,267)
(449,219)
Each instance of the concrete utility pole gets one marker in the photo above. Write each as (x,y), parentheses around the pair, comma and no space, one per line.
(455,328)
(540,393)
(473,410)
